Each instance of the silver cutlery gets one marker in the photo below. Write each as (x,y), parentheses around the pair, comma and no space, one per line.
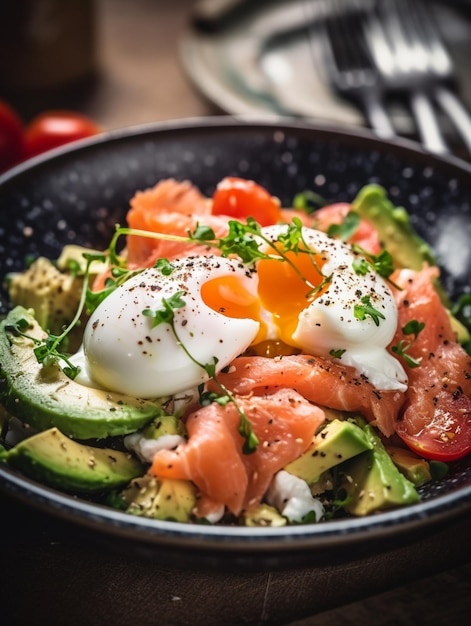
(377,50)
(348,61)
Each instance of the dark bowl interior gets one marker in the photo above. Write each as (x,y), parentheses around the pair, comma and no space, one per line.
(78,195)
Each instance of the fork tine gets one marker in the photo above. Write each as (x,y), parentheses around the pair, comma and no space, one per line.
(348,61)
(426,30)
(408,70)
(341,27)
(442,66)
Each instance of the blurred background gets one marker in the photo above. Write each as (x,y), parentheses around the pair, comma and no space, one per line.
(116,60)
(126,62)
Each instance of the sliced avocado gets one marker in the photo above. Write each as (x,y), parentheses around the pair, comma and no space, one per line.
(53,295)
(400,239)
(164,425)
(53,289)
(372,481)
(263,515)
(54,459)
(394,228)
(414,468)
(462,333)
(165,499)
(72,260)
(45,397)
(337,442)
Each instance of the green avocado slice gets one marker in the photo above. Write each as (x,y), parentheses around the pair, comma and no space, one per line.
(338,441)
(164,499)
(373,482)
(58,461)
(45,397)
(394,227)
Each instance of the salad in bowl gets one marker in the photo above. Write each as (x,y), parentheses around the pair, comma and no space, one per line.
(228,360)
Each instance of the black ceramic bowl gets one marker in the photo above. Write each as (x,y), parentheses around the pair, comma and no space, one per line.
(78,194)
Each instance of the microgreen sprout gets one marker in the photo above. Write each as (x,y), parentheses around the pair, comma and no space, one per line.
(413,327)
(73,267)
(165,267)
(47,350)
(361,311)
(308,201)
(243,240)
(381,263)
(337,354)
(166,315)
(347,228)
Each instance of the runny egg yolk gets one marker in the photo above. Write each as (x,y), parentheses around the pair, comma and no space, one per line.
(314,300)
(286,286)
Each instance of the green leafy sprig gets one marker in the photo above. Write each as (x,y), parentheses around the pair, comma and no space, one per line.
(47,350)
(166,315)
(347,228)
(337,353)
(366,309)
(382,263)
(308,201)
(243,240)
(413,327)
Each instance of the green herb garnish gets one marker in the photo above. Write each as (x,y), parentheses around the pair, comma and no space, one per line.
(366,309)
(47,351)
(413,327)
(347,228)
(166,315)
(308,201)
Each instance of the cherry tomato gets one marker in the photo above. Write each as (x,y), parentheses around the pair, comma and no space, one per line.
(11,137)
(241,198)
(51,129)
(447,437)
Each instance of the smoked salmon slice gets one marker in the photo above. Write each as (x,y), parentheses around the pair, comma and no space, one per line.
(170,207)
(436,420)
(317,379)
(366,236)
(284,423)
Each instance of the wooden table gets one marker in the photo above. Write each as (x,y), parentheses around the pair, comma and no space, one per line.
(54,573)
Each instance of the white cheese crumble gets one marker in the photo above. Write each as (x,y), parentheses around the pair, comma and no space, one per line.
(292,497)
(147,448)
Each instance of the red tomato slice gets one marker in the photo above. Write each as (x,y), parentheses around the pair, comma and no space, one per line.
(55,128)
(240,198)
(11,137)
(447,437)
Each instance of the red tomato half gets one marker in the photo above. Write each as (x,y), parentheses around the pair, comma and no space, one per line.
(11,137)
(446,438)
(240,198)
(55,128)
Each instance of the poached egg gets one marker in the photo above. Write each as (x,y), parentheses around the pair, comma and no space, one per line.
(162,334)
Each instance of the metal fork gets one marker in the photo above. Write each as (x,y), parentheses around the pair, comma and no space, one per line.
(409,53)
(402,63)
(440,66)
(348,62)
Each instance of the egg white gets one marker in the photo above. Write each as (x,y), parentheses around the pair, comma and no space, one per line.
(328,323)
(122,351)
